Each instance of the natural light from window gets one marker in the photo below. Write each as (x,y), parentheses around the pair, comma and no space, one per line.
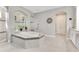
(77,22)
(0,14)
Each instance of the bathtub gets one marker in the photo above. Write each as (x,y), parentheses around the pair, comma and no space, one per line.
(28,34)
(26,39)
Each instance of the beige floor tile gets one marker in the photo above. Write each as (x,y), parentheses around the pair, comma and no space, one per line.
(48,44)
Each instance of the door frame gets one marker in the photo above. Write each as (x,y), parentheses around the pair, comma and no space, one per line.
(61,13)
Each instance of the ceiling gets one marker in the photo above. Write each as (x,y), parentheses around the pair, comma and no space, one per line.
(37,9)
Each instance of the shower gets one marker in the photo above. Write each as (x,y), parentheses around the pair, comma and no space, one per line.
(3,24)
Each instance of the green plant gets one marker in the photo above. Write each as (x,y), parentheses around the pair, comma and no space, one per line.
(18,26)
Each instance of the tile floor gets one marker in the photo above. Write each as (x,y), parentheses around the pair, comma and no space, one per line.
(49,44)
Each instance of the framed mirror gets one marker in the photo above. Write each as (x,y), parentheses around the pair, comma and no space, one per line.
(19,16)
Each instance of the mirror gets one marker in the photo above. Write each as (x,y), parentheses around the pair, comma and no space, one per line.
(20,16)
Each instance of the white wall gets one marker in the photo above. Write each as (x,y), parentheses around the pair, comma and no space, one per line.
(50,28)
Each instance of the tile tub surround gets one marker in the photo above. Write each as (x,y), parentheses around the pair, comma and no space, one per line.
(24,40)
(28,34)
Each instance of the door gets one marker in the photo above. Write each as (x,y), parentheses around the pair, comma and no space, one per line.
(61,23)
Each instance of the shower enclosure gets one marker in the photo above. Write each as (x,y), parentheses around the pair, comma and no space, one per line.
(3,31)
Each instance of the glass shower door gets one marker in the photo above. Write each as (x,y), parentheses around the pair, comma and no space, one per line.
(2,30)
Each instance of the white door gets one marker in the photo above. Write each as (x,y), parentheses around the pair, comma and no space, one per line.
(61,24)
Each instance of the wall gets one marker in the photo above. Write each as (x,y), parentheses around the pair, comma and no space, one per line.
(49,29)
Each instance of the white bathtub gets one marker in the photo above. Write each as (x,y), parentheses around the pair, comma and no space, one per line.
(26,39)
(28,34)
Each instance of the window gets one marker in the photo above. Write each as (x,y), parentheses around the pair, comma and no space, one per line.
(20,20)
(0,14)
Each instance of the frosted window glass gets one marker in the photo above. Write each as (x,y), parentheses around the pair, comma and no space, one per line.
(0,14)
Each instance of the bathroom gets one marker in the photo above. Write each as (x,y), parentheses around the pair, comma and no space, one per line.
(39,25)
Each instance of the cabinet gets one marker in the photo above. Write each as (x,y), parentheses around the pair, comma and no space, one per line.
(75,37)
